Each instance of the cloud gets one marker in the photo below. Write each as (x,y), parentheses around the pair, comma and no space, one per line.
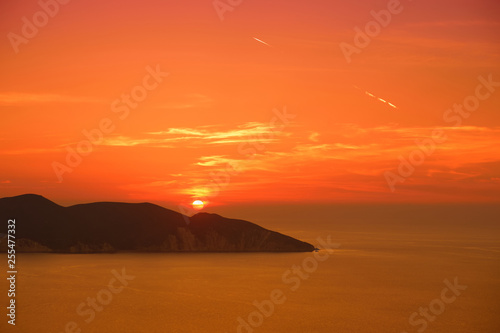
(356,162)
(245,131)
(203,135)
(123,141)
(314,137)
(214,160)
(349,162)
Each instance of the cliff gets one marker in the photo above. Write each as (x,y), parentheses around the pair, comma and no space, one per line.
(98,227)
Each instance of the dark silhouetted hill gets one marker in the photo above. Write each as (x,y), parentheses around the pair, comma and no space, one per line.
(44,226)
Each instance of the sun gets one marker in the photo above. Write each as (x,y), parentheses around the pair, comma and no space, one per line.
(198,204)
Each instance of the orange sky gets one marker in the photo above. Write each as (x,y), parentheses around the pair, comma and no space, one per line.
(216,111)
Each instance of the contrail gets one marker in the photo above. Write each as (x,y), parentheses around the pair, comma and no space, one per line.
(377,98)
(261,41)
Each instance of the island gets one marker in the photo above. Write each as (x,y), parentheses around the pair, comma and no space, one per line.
(108,227)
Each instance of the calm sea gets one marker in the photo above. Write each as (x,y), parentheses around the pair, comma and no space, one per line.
(385,277)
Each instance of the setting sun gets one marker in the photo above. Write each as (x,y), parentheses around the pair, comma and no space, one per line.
(198,204)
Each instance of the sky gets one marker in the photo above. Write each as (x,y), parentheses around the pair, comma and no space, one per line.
(251,102)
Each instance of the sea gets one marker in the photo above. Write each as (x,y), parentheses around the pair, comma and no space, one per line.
(380,269)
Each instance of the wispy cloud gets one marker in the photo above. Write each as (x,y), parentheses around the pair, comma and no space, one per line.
(251,131)
(246,130)
(355,163)
(314,137)
(124,141)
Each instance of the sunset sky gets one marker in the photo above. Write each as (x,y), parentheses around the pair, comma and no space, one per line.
(289,120)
